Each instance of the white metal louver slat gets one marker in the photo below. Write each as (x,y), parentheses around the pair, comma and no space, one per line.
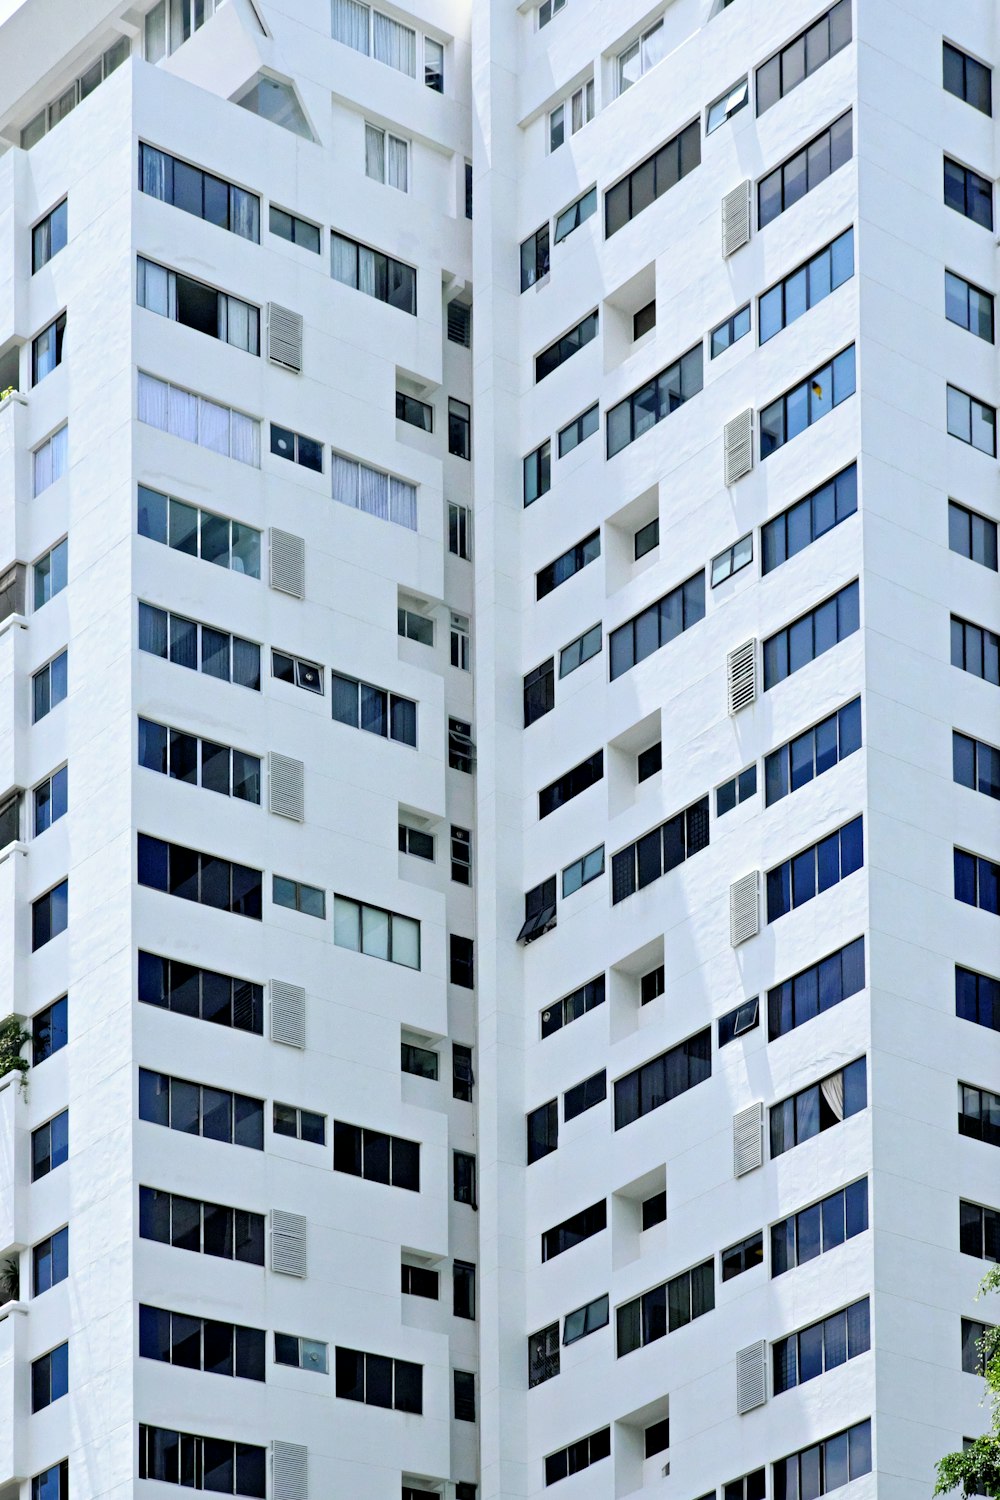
(288,1243)
(741,675)
(288,1013)
(738,447)
(751,1376)
(736,218)
(284,337)
(289,1471)
(287,554)
(286,787)
(748,1139)
(744,915)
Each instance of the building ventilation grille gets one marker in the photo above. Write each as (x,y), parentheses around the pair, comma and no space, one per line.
(289,1471)
(751,1376)
(741,675)
(736,218)
(738,447)
(748,1139)
(287,562)
(286,787)
(288,1243)
(284,337)
(288,1013)
(744,915)
(460,323)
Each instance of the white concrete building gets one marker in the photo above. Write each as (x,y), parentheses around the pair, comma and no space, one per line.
(668,605)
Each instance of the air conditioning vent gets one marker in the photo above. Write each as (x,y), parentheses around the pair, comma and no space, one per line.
(289,1471)
(287,553)
(741,676)
(460,323)
(751,1376)
(284,337)
(288,1243)
(738,447)
(286,786)
(744,913)
(288,1013)
(736,218)
(748,1139)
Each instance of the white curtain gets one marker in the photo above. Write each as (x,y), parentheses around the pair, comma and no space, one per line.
(182,414)
(154,173)
(43,468)
(654,47)
(246,439)
(238,323)
(344,260)
(156,289)
(373,492)
(398,175)
(60,452)
(832,1090)
(154,402)
(403,503)
(213,426)
(350,24)
(394,44)
(244,214)
(156,32)
(345,480)
(375,153)
(366,271)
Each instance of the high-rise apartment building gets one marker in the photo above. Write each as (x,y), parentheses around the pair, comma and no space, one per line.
(434,674)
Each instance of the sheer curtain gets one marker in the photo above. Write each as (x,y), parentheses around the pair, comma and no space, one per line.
(398,175)
(154,172)
(244,214)
(156,288)
(373,492)
(182,414)
(152,630)
(213,426)
(833,1094)
(394,44)
(375,152)
(246,439)
(344,260)
(366,271)
(403,503)
(350,24)
(154,402)
(345,480)
(156,34)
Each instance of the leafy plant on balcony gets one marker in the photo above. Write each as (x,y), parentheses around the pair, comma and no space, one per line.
(12,1039)
(975,1470)
(10,1280)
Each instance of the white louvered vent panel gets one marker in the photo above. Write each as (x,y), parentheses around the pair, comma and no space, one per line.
(741,676)
(288,562)
(744,912)
(288,1243)
(738,446)
(284,336)
(748,1139)
(288,1013)
(751,1376)
(289,1471)
(286,786)
(736,218)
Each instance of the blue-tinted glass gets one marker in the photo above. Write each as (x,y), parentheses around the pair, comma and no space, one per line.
(153,746)
(825,738)
(57,679)
(835,1462)
(824,509)
(153,862)
(847,492)
(782,1127)
(966,995)
(779,899)
(856,1207)
(775,776)
(851,847)
(825,626)
(828,861)
(989,888)
(963,755)
(800,642)
(848,611)
(843,376)
(830,988)
(59,1139)
(772,427)
(806,1114)
(810,1342)
(785,1367)
(988,770)
(796,296)
(800,755)
(833,1221)
(855,1087)
(59,1371)
(799,522)
(782,1247)
(849,728)
(860,1442)
(775,659)
(773,544)
(853,967)
(808,1231)
(805,988)
(842,257)
(770,314)
(965,877)
(804,877)
(748,782)
(820,272)
(796,411)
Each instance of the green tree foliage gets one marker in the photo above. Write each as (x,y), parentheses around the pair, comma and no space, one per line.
(976,1469)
